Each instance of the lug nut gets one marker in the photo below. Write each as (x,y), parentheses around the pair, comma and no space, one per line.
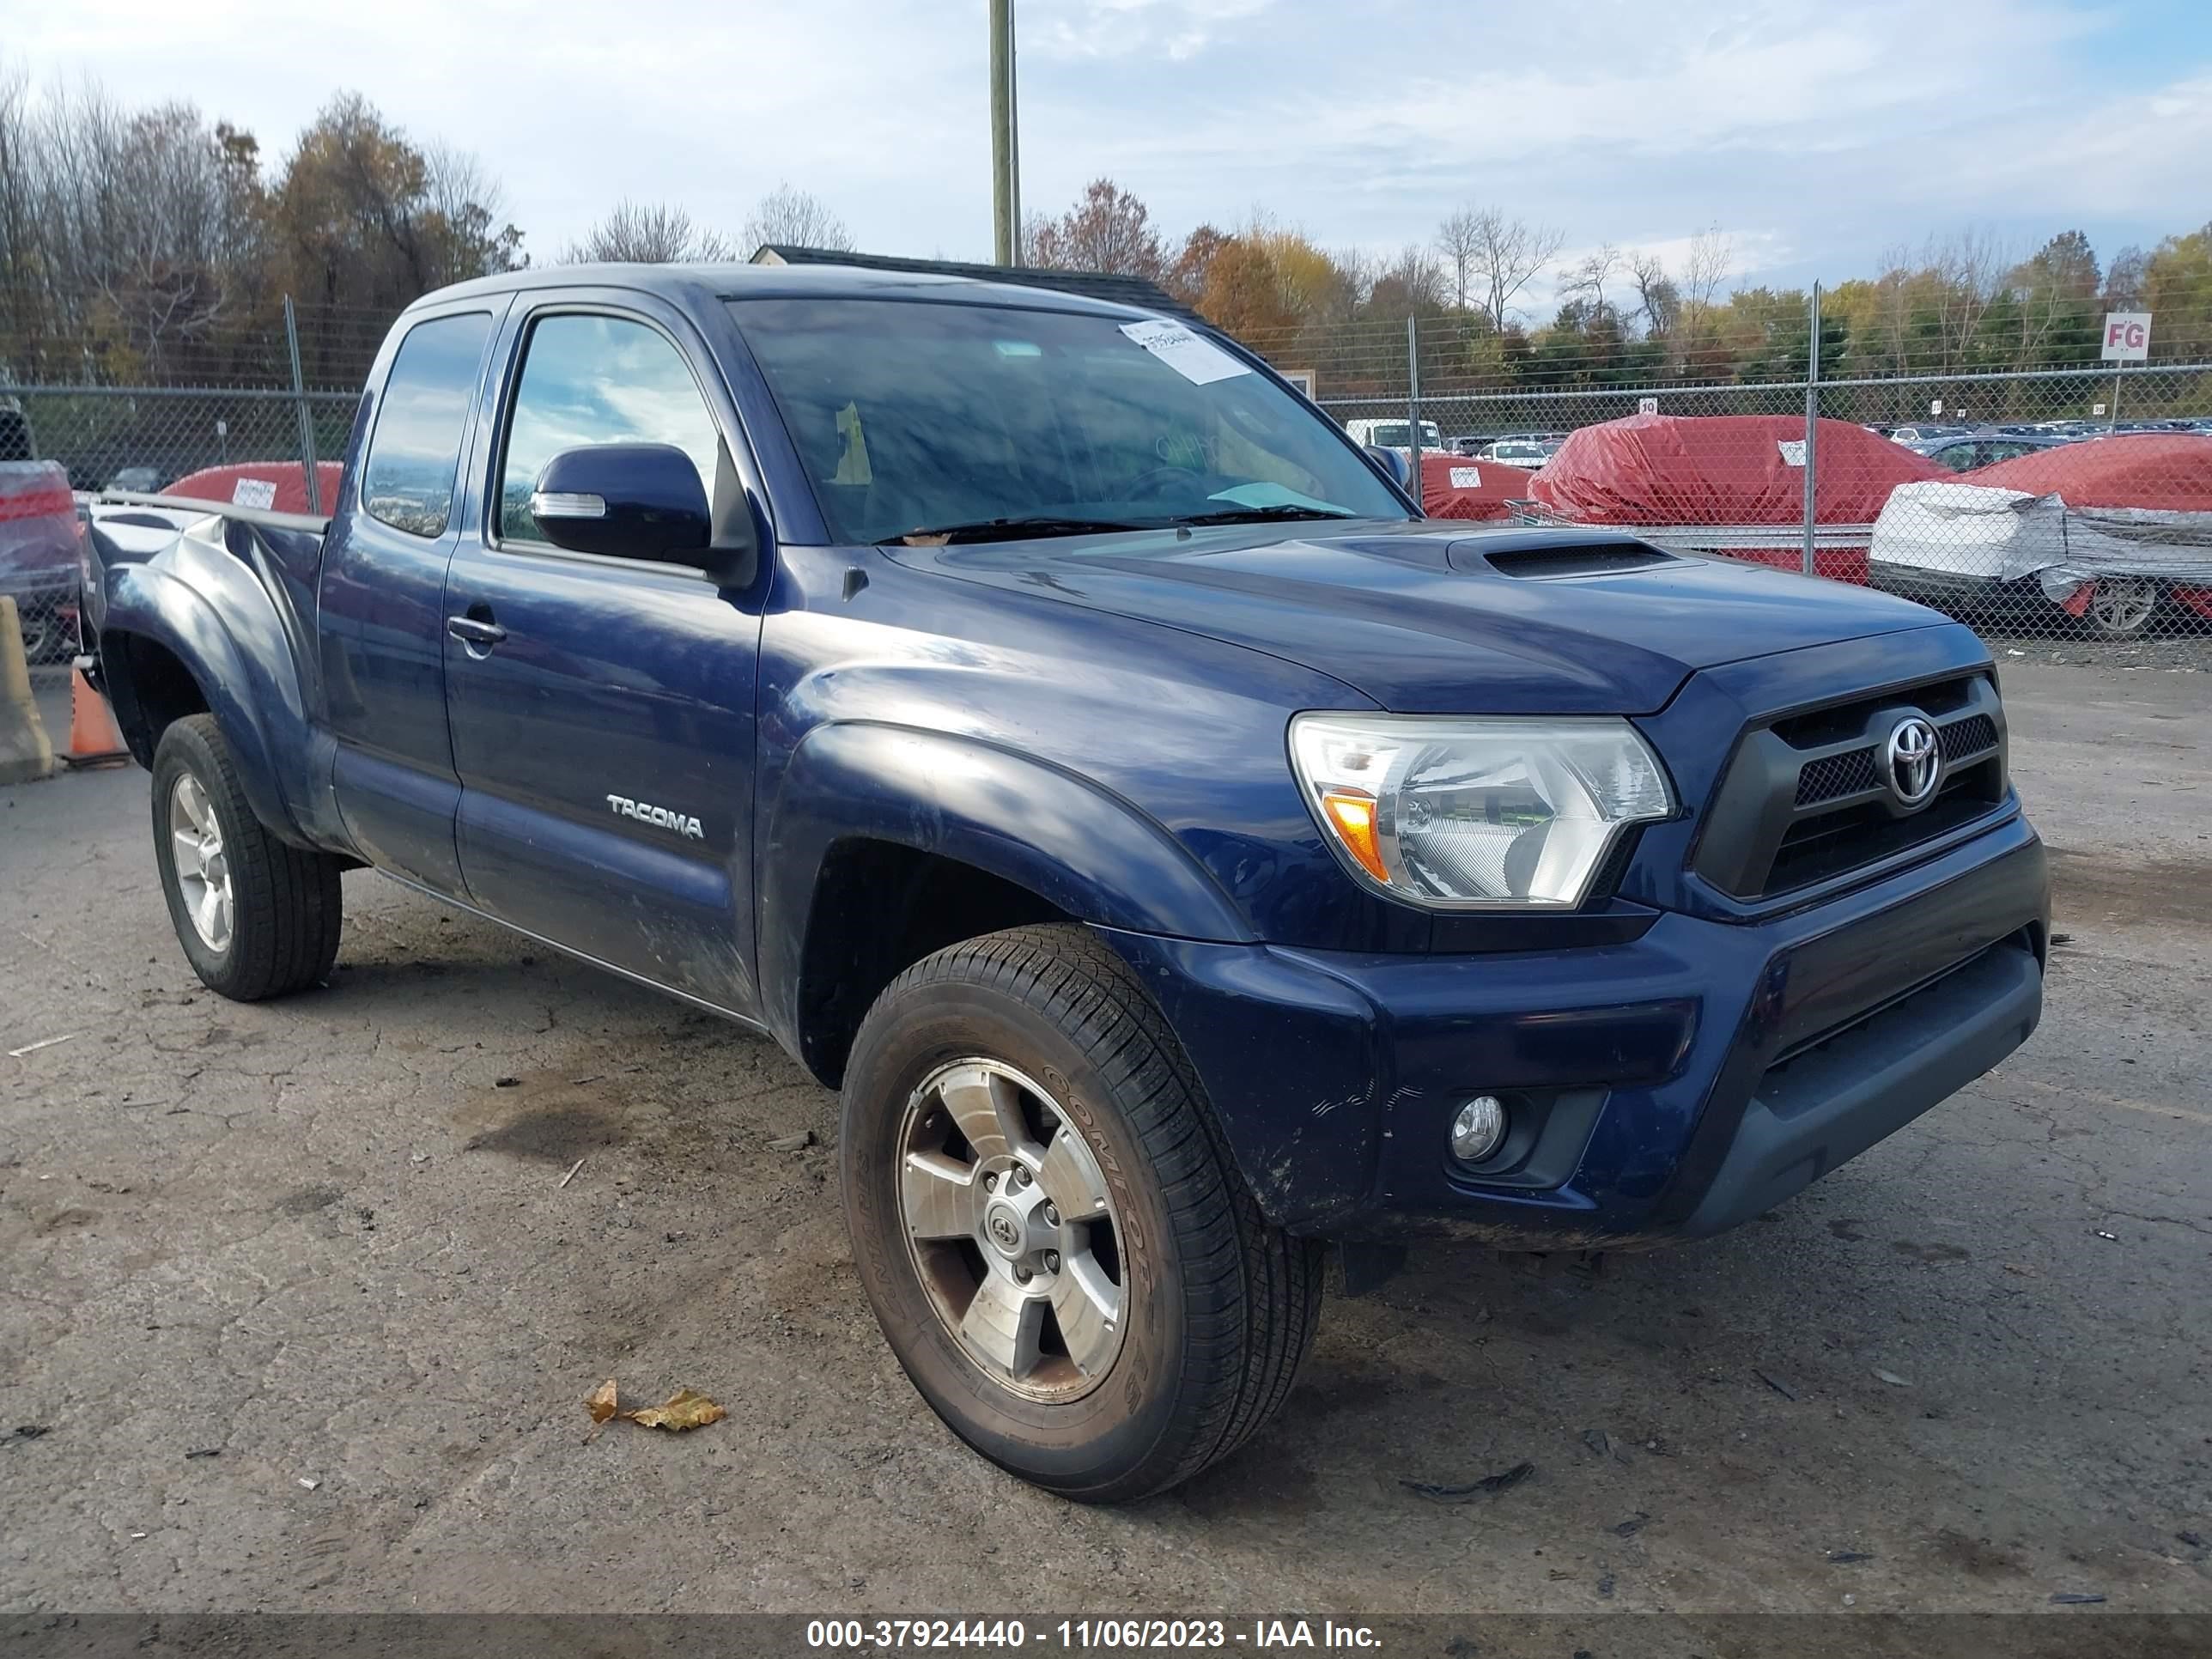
(1051,1216)
(1023,1275)
(1051,1262)
(1021,1177)
(990,1183)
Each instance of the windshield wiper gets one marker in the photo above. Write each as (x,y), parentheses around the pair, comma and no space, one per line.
(1010,530)
(1263,514)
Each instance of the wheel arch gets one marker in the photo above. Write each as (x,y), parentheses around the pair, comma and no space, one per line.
(166,651)
(884,843)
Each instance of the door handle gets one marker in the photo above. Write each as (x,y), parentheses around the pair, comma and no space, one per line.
(476,635)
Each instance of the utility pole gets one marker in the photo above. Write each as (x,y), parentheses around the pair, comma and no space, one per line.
(1006,160)
(1812,436)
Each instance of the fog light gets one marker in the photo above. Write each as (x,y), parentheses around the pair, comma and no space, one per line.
(1479,1128)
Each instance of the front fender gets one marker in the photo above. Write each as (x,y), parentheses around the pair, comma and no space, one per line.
(200,604)
(1086,851)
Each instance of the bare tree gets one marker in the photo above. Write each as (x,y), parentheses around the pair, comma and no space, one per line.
(1509,254)
(1707,268)
(1658,299)
(786,217)
(1411,283)
(1971,268)
(1458,241)
(1587,279)
(646,234)
(469,204)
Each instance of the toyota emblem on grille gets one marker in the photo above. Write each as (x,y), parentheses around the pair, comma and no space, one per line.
(1914,764)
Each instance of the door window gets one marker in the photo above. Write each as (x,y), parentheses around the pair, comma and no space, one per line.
(408,480)
(591,380)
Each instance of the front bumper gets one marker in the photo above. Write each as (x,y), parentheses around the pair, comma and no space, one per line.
(1670,1087)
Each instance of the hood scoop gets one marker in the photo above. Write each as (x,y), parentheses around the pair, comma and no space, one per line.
(1554,563)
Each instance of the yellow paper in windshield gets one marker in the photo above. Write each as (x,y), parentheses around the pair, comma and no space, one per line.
(853,464)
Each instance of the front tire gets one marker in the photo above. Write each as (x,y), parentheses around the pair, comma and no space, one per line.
(258,917)
(1047,1225)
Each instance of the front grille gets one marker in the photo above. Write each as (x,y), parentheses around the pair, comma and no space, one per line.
(1968,737)
(1807,799)
(1836,775)
(1854,772)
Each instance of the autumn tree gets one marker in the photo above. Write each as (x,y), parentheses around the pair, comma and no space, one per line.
(1187,272)
(2176,289)
(646,233)
(1109,230)
(358,217)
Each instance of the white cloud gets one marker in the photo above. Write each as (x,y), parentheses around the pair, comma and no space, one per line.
(1825,131)
(1066,30)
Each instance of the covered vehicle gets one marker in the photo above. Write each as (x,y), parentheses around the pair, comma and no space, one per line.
(1714,482)
(275,486)
(41,565)
(2110,530)
(1453,487)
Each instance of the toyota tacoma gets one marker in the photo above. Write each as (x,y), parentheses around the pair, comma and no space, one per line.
(1069,744)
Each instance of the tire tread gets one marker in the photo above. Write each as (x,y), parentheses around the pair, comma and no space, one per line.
(1253,1291)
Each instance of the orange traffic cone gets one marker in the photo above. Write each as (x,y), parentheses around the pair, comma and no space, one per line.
(94,740)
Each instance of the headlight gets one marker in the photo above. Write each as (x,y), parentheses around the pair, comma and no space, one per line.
(1452,812)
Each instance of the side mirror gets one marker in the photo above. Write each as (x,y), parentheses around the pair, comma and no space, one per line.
(626,501)
(1399,470)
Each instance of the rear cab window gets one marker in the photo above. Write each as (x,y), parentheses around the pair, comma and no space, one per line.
(415,452)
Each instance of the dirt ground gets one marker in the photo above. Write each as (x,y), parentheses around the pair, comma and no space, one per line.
(302,1317)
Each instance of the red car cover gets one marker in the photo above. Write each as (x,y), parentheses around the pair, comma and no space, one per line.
(1687,470)
(1454,487)
(290,479)
(2159,472)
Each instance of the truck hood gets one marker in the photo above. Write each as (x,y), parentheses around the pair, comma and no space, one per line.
(1438,618)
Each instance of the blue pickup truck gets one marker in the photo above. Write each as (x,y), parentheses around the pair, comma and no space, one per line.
(1064,741)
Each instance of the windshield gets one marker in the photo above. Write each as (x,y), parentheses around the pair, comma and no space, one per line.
(911,417)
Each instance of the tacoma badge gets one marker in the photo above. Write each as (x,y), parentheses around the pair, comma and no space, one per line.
(659,817)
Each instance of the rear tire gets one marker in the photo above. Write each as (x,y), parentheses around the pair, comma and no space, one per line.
(258,917)
(1207,1310)
(2122,608)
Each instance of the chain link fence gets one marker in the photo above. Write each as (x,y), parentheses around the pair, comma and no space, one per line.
(2068,504)
(103,403)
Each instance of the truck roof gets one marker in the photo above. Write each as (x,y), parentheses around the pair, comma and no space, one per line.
(698,282)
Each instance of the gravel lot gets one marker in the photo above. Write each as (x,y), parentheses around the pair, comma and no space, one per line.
(305,1320)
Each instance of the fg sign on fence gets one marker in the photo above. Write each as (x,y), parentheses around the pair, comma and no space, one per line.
(2127,336)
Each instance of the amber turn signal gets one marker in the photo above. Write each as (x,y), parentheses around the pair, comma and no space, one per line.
(1354,817)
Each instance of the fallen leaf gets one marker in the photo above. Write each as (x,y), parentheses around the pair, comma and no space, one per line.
(1893,1379)
(601,1402)
(682,1410)
(1489,1484)
(797,1143)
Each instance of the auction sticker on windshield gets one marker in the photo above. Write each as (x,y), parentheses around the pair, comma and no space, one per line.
(1198,361)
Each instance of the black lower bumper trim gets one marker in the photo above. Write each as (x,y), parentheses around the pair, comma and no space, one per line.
(1830,1103)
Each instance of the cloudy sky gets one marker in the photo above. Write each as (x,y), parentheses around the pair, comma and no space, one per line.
(1817,133)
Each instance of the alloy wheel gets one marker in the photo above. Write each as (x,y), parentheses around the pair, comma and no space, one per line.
(1012,1230)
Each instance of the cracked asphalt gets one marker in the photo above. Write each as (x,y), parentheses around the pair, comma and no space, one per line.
(296,1314)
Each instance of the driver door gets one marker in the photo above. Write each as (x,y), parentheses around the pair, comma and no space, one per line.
(602,707)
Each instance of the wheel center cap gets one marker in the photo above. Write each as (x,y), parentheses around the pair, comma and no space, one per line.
(1002,1226)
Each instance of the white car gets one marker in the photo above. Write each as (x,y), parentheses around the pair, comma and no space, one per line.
(1516,452)
(1395,435)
